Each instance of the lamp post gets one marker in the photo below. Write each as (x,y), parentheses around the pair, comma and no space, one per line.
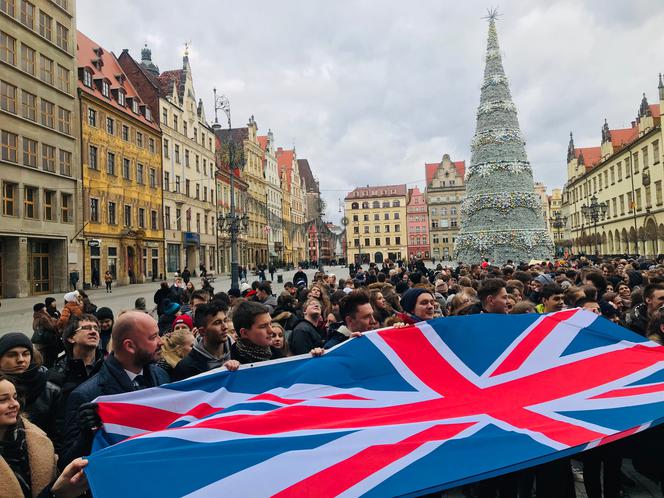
(231,222)
(558,222)
(594,212)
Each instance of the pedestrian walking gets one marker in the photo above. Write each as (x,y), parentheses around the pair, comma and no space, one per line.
(108,280)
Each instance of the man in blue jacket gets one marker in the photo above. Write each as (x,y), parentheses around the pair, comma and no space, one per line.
(130,367)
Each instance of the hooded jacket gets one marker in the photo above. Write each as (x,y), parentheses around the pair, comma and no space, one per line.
(71,308)
(337,333)
(200,360)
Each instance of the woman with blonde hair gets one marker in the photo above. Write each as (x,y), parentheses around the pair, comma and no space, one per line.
(279,339)
(176,345)
(320,292)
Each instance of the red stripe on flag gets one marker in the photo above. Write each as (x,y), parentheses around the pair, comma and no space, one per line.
(338,478)
(632,391)
(619,435)
(145,417)
(276,399)
(529,343)
(346,397)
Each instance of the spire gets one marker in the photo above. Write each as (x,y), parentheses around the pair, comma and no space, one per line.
(185,57)
(661,87)
(644,108)
(571,152)
(146,60)
(606,133)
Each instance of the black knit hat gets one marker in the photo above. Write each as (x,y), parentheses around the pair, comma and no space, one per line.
(104,314)
(14,340)
(38,307)
(409,298)
(49,300)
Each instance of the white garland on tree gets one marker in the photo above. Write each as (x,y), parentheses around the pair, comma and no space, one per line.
(511,167)
(503,202)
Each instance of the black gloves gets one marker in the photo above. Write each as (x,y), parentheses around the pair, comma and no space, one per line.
(88,417)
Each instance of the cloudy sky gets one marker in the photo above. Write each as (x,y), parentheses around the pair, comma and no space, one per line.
(369,91)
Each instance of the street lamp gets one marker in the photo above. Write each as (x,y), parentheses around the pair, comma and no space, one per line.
(594,212)
(231,222)
(558,222)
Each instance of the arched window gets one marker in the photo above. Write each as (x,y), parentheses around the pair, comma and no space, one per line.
(396,204)
(365,205)
(354,205)
(376,204)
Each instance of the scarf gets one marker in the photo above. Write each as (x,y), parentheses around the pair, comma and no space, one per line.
(14,450)
(253,352)
(30,384)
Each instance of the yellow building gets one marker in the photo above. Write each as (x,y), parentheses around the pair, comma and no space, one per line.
(625,175)
(377,223)
(122,187)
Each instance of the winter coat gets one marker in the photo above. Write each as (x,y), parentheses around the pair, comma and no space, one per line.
(304,338)
(159,297)
(68,373)
(44,321)
(66,314)
(164,323)
(41,401)
(111,379)
(636,319)
(200,360)
(337,333)
(270,302)
(42,461)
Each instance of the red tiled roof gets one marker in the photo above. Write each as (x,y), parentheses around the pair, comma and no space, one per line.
(654,109)
(430,169)
(87,52)
(591,155)
(262,141)
(623,137)
(169,78)
(377,191)
(285,163)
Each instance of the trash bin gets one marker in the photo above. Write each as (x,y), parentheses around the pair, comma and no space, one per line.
(280,279)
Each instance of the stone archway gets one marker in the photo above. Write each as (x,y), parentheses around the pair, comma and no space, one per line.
(378,257)
(624,237)
(604,247)
(610,239)
(650,232)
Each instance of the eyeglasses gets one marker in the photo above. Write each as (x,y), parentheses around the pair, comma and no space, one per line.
(88,327)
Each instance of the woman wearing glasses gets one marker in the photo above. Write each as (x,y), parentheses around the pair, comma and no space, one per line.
(41,399)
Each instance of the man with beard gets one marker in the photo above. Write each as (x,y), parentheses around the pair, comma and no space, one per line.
(305,335)
(130,367)
(212,348)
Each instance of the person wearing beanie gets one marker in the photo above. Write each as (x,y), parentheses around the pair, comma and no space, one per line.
(42,403)
(106,320)
(418,305)
(183,322)
(170,312)
(52,307)
(73,306)
(45,334)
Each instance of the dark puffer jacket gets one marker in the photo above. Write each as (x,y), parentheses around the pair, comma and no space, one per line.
(636,319)
(68,373)
(304,338)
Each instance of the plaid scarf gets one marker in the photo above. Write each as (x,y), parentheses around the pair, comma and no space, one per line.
(253,352)
(14,449)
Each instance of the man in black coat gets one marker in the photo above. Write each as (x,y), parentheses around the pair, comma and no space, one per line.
(136,347)
(300,278)
(305,335)
(212,348)
(357,316)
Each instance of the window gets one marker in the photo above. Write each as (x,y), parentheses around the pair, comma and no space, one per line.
(92,117)
(139,173)
(397,228)
(637,193)
(397,240)
(92,157)
(177,153)
(164,116)
(377,229)
(655,152)
(66,208)
(141,217)
(658,192)
(386,216)
(105,89)
(377,240)
(47,113)
(148,114)
(46,69)
(122,98)
(175,122)
(134,105)
(186,158)
(365,217)
(112,215)
(387,241)
(7,49)
(110,126)
(87,78)
(27,59)
(64,120)
(356,229)
(166,148)
(366,229)
(63,78)
(125,133)
(48,205)
(29,105)
(644,153)
(636,162)
(619,171)
(9,199)
(355,217)
(48,158)
(110,163)
(167,217)
(197,161)
(30,202)
(453,211)
(94,210)
(198,222)
(376,216)
(184,129)
(151,145)
(187,185)
(396,216)
(167,182)
(367,242)
(205,194)
(127,215)
(7,6)
(7,97)
(198,191)
(28,14)
(396,204)
(178,219)
(126,169)
(139,139)
(9,146)
(153,178)
(177,184)
(29,152)
(613,175)
(153,220)
(65,163)
(62,37)
(387,228)
(45,25)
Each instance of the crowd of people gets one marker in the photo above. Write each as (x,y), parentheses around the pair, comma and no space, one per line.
(48,382)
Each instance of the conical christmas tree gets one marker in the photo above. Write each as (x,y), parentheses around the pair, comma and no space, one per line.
(501,215)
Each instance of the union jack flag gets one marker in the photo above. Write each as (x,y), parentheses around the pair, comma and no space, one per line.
(394,412)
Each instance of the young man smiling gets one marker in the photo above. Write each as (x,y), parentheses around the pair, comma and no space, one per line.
(253,324)
(212,348)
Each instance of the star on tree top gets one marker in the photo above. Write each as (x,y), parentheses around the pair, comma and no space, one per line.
(492,14)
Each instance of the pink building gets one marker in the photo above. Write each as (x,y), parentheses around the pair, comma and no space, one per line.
(418,225)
